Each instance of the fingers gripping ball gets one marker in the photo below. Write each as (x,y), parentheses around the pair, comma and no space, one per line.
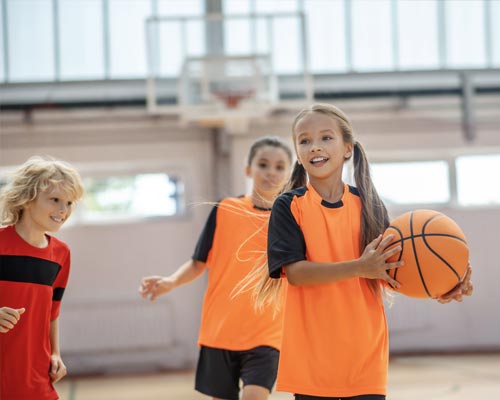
(434,250)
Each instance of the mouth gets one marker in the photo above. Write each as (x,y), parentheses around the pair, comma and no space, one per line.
(319,160)
(58,220)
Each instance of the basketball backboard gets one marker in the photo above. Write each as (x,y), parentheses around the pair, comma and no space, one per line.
(215,82)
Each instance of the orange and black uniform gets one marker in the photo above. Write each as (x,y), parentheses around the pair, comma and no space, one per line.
(335,338)
(231,244)
(31,278)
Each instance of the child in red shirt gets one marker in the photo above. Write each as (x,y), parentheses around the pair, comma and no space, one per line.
(34,269)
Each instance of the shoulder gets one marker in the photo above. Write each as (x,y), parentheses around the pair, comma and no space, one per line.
(354,191)
(59,247)
(288,197)
(288,200)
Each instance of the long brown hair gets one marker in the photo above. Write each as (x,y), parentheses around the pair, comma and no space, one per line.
(374,217)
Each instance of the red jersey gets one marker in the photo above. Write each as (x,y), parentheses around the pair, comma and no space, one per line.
(335,338)
(232,243)
(31,278)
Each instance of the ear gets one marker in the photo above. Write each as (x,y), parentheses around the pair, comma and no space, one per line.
(248,171)
(348,151)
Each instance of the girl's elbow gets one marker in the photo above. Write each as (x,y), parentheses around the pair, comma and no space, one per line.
(293,277)
(292,281)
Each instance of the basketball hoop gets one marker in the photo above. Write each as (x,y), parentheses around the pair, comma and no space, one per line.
(232,98)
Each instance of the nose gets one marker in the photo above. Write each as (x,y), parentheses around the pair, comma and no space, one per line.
(63,208)
(316,146)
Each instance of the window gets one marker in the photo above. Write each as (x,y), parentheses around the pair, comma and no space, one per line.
(2,49)
(80,39)
(372,35)
(465,33)
(476,180)
(31,46)
(127,41)
(326,26)
(495,32)
(418,32)
(419,182)
(116,198)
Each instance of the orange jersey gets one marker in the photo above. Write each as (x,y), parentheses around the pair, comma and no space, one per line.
(232,244)
(335,338)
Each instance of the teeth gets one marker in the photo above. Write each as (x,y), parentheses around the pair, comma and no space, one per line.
(318,159)
(57,219)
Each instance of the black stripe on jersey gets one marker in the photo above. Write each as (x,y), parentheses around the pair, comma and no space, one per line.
(340,203)
(58,294)
(354,190)
(28,269)
(327,204)
(285,240)
(299,192)
(206,238)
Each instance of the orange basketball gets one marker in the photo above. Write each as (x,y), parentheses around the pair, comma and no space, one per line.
(434,250)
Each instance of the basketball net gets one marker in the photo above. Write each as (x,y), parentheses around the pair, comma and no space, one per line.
(236,120)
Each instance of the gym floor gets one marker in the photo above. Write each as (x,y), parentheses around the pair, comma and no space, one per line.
(436,377)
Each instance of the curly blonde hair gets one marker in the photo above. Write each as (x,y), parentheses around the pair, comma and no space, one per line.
(36,175)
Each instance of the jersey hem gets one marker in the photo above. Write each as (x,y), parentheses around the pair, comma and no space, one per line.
(237,348)
(327,393)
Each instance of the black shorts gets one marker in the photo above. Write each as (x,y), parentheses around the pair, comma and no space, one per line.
(219,371)
(362,397)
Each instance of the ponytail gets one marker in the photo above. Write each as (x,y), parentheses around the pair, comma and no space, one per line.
(298,177)
(267,291)
(374,217)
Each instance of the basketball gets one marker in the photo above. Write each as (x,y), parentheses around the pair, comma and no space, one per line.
(434,250)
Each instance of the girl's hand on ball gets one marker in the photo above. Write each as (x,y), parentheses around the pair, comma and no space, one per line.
(464,288)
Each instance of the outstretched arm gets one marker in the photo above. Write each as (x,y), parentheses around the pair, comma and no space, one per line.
(372,265)
(154,286)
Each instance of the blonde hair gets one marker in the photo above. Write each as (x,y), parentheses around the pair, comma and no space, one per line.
(374,217)
(36,175)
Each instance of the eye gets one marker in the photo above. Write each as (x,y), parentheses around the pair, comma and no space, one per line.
(70,203)
(327,137)
(262,165)
(304,141)
(55,199)
(280,167)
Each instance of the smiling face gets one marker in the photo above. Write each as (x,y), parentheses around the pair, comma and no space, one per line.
(320,146)
(48,212)
(269,170)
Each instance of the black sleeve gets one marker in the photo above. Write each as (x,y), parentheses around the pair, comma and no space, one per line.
(206,237)
(285,241)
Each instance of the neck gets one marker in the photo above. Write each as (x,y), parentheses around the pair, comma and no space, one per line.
(261,201)
(29,234)
(330,190)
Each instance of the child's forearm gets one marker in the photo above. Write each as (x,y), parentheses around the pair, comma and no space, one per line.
(307,273)
(54,336)
(188,272)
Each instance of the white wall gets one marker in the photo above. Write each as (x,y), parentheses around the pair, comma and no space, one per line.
(104,323)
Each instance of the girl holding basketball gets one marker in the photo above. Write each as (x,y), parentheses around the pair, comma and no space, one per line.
(325,238)
(235,342)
